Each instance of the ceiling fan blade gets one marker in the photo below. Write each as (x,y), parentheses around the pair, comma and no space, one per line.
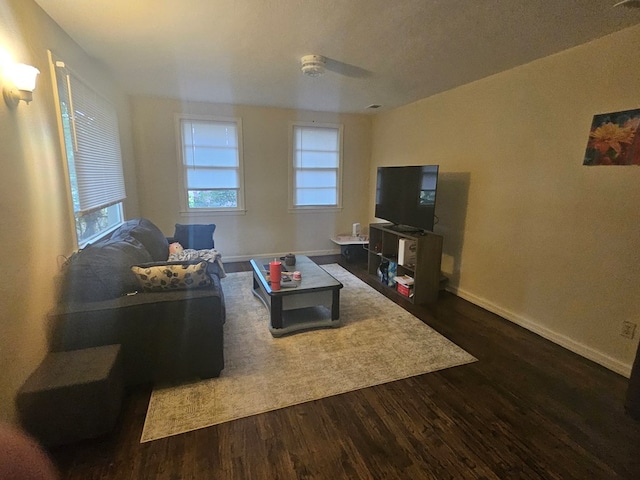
(346,69)
(628,4)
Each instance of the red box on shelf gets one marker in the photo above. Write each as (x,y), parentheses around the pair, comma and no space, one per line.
(404,289)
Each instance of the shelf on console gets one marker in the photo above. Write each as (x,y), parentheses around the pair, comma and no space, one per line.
(383,244)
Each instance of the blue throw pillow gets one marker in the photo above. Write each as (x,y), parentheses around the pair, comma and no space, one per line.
(195,236)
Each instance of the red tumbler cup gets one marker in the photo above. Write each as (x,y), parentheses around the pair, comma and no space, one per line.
(275,272)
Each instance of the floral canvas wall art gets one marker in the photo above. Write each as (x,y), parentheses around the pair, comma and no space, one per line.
(614,139)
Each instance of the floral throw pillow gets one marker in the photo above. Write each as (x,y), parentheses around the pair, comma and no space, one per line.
(171,276)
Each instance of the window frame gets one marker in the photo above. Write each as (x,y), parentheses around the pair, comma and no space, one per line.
(293,208)
(68,143)
(182,166)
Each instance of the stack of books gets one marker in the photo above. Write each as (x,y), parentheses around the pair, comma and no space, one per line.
(404,285)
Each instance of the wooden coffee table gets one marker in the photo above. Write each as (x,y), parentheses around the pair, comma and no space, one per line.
(316,289)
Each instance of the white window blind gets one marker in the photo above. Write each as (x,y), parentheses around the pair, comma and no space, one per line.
(316,166)
(95,143)
(212,159)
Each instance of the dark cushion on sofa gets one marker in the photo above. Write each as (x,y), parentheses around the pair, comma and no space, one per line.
(101,271)
(148,234)
(195,236)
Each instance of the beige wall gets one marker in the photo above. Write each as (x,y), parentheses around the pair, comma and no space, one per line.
(530,233)
(36,227)
(268,227)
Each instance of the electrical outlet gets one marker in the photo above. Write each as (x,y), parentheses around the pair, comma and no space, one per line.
(628,329)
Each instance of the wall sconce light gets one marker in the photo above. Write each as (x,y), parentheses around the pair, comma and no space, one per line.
(23,82)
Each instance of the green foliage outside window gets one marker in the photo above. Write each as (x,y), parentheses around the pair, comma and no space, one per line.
(91,224)
(213,198)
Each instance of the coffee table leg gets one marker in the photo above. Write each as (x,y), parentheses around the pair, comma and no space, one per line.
(276,312)
(335,305)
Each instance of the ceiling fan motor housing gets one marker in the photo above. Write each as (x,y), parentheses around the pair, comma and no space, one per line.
(313,65)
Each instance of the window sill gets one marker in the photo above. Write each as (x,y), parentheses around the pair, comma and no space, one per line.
(210,212)
(314,209)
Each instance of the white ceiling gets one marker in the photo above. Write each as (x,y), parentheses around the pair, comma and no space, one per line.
(388,52)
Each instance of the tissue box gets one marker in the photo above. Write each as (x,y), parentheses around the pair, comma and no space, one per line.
(407,252)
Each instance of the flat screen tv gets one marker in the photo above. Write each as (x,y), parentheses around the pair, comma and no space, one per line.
(406,196)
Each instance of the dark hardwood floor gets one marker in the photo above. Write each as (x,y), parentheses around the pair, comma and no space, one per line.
(528,409)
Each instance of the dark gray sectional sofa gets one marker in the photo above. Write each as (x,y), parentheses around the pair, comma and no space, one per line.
(164,335)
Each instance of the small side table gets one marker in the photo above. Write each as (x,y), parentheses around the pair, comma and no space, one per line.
(73,395)
(352,248)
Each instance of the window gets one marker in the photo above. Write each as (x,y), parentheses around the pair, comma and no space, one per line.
(212,163)
(89,127)
(316,163)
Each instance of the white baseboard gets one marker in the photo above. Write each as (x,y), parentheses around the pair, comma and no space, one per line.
(310,253)
(562,340)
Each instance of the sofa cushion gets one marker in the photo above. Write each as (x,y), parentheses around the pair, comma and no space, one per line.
(171,275)
(195,236)
(102,271)
(148,234)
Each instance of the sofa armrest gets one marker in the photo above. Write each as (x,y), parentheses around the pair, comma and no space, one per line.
(164,335)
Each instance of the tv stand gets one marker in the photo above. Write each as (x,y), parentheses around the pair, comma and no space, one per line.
(383,245)
(404,228)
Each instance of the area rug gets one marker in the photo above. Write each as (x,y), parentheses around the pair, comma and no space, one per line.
(379,342)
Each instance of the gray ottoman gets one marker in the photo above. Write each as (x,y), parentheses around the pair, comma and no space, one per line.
(73,395)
